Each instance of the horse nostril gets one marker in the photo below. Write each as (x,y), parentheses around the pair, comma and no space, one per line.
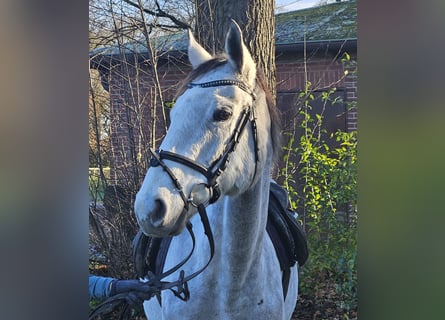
(158,214)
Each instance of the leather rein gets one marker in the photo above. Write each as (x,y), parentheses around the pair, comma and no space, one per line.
(154,283)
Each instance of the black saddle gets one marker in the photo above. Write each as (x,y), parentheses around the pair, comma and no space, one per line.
(286,233)
(284,230)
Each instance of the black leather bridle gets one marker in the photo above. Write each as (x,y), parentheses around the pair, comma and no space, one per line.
(155,285)
(219,165)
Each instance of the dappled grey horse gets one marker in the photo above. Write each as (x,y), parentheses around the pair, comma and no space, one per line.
(216,158)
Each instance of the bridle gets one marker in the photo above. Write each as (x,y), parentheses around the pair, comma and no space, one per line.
(200,197)
(217,167)
(207,193)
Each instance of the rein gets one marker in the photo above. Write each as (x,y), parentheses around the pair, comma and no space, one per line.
(154,283)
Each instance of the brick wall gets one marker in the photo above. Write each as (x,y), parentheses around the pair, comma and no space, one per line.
(320,73)
(350,85)
(323,73)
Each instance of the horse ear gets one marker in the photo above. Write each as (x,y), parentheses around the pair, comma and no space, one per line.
(197,54)
(237,51)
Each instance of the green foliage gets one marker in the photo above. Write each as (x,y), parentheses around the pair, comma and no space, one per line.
(321,179)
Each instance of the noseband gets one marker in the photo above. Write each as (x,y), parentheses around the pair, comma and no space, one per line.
(218,166)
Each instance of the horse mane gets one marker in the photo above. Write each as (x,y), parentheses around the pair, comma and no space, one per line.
(274,114)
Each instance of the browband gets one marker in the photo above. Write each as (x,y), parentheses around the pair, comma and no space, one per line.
(224,82)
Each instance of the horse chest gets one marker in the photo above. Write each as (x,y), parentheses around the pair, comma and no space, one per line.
(228,291)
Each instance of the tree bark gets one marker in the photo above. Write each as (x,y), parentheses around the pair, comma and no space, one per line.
(257,21)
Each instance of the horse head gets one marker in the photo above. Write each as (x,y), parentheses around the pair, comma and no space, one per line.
(212,148)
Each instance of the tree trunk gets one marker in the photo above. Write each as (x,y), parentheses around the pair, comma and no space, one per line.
(257,21)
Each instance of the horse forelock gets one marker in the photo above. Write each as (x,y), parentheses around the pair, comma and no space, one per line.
(274,114)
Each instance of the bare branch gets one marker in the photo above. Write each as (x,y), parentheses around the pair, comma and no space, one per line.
(161,14)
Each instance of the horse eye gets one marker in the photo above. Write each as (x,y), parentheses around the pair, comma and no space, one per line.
(221,115)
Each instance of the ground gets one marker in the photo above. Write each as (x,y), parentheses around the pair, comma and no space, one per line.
(312,308)
(323,304)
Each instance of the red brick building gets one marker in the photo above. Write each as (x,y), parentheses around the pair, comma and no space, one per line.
(311,45)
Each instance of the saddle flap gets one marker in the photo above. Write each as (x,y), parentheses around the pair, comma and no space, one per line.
(291,233)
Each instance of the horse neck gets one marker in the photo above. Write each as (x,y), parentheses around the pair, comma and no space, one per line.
(240,222)
(240,225)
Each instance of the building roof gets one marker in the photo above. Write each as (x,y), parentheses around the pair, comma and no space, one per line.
(335,21)
(332,25)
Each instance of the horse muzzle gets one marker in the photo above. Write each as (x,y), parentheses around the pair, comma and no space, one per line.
(156,218)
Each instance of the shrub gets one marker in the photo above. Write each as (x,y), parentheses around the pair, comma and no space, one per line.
(322,183)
